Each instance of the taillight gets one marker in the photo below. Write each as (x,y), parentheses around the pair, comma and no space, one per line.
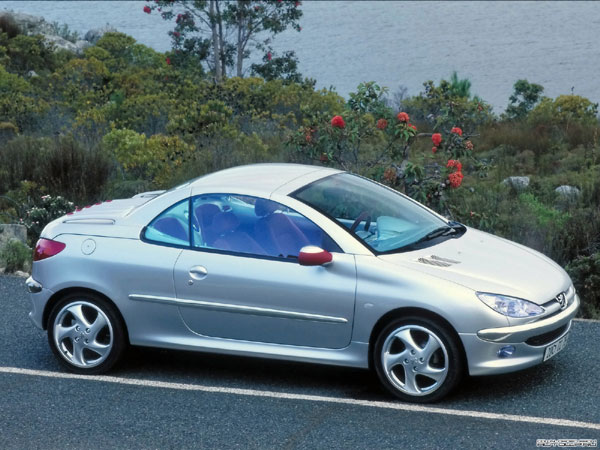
(45,248)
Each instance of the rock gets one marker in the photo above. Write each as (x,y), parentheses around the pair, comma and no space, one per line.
(518,183)
(81,45)
(95,34)
(32,74)
(8,232)
(567,191)
(61,43)
(29,24)
(21,274)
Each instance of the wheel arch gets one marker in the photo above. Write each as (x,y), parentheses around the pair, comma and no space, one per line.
(399,313)
(58,296)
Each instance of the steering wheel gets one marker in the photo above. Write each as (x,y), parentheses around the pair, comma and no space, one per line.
(362,216)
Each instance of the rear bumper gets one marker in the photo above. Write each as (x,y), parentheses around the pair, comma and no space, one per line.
(39,297)
(482,348)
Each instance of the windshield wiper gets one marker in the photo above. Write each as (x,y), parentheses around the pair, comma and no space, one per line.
(453,229)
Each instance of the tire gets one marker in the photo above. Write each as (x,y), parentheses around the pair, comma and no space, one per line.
(418,360)
(86,333)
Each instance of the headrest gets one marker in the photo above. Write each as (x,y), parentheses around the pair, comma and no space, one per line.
(207,212)
(224,222)
(264,207)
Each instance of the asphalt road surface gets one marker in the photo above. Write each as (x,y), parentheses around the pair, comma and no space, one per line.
(164,399)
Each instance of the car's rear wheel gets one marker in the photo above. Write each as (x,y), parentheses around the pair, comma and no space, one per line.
(417,360)
(86,333)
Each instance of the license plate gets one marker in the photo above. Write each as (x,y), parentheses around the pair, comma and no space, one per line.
(553,349)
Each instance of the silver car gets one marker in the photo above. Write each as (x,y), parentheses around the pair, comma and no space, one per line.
(301,263)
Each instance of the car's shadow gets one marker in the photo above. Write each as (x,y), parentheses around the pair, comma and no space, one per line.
(315,379)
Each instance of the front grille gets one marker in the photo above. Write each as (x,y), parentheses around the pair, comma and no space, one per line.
(548,337)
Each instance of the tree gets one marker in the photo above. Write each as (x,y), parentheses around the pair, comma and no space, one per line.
(222,34)
(460,87)
(523,99)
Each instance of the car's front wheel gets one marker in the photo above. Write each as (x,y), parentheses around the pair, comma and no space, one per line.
(417,360)
(86,333)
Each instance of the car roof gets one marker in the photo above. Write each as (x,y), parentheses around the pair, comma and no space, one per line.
(265,178)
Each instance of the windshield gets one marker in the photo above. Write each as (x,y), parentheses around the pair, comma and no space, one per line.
(380,217)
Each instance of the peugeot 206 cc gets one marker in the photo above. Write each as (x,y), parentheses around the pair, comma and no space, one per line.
(301,263)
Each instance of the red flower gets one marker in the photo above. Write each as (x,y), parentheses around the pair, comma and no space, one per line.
(403,117)
(456,130)
(436,138)
(454,163)
(297,4)
(176,33)
(168,61)
(434,149)
(382,124)
(338,122)
(455,179)
(324,157)
(410,125)
(147,9)
(390,174)
(269,56)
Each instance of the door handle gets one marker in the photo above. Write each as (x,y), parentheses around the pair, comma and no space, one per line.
(198,273)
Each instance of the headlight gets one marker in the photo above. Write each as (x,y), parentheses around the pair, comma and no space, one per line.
(510,306)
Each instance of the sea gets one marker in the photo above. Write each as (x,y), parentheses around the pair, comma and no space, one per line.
(401,44)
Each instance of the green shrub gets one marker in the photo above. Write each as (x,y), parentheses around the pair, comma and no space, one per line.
(9,26)
(15,256)
(564,111)
(585,273)
(523,99)
(448,105)
(42,211)
(60,164)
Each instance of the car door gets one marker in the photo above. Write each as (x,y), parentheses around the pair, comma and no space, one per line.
(241,279)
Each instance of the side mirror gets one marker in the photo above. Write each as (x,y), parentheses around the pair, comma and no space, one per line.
(311,255)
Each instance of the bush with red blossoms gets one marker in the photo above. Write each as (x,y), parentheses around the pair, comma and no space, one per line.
(455,164)
(455,179)
(376,142)
(338,122)
(403,117)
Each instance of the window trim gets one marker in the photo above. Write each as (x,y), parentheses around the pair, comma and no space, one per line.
(190,246)
(143,237)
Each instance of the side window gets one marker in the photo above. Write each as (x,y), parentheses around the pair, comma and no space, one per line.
(253,225)
(172,226)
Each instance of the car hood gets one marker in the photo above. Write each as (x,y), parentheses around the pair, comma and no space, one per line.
(487,263)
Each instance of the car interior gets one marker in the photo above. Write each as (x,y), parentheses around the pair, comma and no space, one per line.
(239,224)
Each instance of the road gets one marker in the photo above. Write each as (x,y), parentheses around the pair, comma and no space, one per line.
(163,399)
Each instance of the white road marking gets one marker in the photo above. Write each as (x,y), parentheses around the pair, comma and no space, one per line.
(313,398)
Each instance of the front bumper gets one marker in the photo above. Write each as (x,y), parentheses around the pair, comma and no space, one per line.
(520,333)
(482,347)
